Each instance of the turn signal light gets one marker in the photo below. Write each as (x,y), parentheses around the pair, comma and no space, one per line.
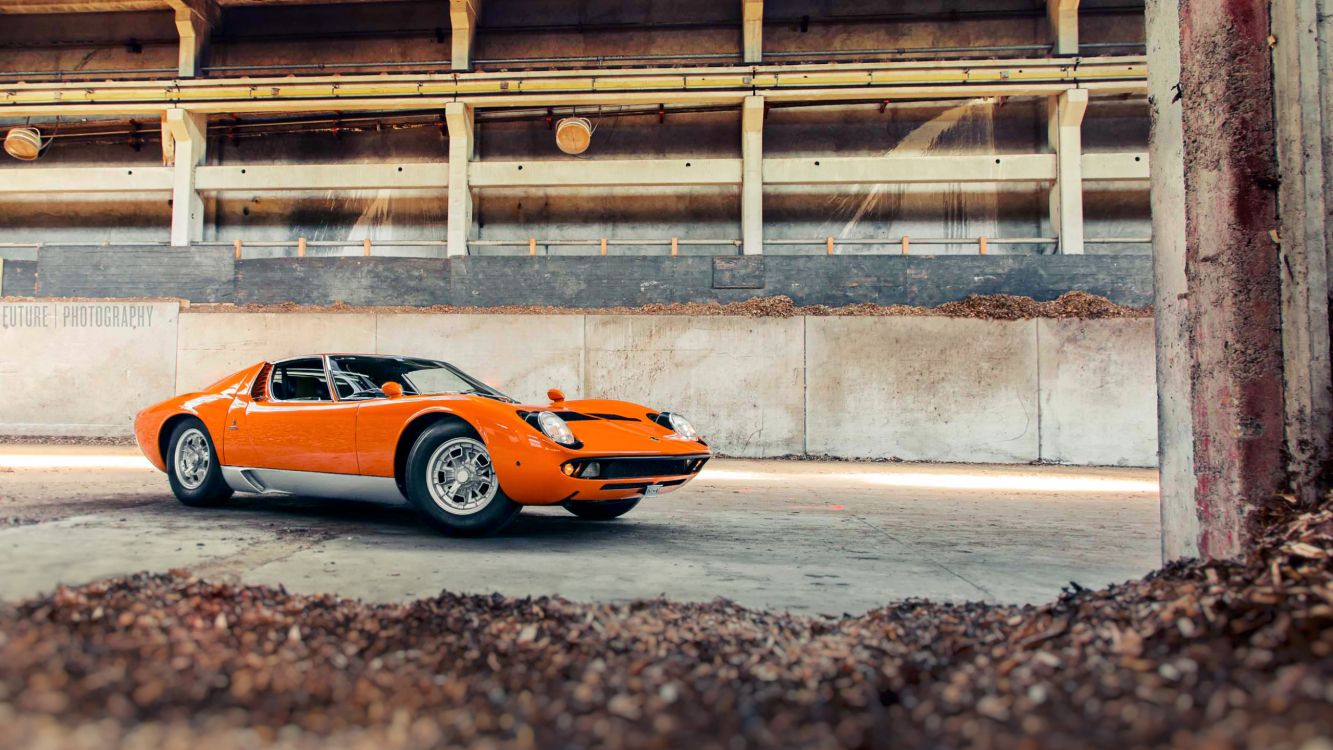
(568,469)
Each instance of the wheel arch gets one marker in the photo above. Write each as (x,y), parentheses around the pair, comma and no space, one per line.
(169,426)
(413,429)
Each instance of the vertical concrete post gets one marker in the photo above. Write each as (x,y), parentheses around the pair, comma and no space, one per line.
(463,23)
(1063,17)
(1065,121)
(1217,269)
(187,132)
(752,175)
(194,22)
(458,118)
(1301,89)
(1175,388)
(752,30)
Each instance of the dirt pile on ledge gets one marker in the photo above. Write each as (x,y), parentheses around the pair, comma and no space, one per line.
(1216,655)
(987,306)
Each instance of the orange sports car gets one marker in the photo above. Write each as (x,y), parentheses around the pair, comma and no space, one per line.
(404,428)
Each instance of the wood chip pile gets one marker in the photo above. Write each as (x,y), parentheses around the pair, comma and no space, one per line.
(1217,655)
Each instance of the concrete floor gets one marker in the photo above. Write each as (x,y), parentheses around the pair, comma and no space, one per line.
(809,537)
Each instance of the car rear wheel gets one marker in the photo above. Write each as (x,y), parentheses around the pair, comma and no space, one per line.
(603,511)
(192,466)
(451,480)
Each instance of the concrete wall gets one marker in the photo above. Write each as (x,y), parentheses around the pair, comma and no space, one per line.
(84,368)
(211,275)
(925,388)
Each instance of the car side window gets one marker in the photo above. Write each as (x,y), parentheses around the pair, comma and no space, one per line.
(300,380)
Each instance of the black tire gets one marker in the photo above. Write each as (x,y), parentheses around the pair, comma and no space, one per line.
(456,452)
(196,486)
(603,511)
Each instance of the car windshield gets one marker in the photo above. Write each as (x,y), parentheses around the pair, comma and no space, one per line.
(358,377)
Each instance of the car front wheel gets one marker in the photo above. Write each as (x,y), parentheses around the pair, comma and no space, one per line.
(603,511)
(192,466)
(451,481)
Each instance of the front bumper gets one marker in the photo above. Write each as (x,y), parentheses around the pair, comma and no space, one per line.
(546,478)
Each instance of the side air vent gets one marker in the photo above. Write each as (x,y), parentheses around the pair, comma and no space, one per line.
(259,391)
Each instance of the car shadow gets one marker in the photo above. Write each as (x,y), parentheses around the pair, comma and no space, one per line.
(336,517)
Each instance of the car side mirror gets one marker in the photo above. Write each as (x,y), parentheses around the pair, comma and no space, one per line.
(556,395)
(392,390)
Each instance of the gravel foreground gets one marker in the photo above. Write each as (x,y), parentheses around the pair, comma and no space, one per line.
(1216,655)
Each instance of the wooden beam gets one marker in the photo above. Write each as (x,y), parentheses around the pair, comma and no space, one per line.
(194,24)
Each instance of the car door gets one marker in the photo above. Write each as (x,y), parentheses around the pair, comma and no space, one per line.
(297,424)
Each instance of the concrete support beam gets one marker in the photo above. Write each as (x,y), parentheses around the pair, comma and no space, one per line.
(463,21)
(1063,16)
(606,173)
(752,175)
(1066,136)
(264,177)
(194,23)
(86,180)
(978,168)
(458,117)
(1126,167)
(187,132)
(752,30)
(1218,271)
(1304,136)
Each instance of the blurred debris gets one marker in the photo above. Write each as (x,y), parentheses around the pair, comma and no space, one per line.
(989,307)
(1199,655)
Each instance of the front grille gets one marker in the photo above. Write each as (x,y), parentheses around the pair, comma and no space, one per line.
(636,468)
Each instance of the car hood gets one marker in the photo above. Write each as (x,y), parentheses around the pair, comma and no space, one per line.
(619,428)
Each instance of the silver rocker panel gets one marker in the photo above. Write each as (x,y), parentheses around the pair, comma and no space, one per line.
(312,484)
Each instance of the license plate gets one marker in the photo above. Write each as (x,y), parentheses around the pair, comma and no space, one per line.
(652,490)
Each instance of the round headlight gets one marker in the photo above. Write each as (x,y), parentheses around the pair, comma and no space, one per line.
(555,428)
(682,426)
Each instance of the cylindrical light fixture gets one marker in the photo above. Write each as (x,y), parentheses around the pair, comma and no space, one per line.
(573,134)
(23,143)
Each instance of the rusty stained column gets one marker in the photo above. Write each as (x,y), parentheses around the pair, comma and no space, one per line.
(1220,363)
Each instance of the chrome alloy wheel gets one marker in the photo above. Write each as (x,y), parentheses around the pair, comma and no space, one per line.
(192,459)
(461,477)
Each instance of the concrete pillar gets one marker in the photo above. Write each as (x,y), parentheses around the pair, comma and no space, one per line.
(458,118)
(187,134)
(1304,134)
(752,175)
(194,23)
(463,21)
(1218,279)
(1065,120)
(1175,422)
(752,30)
(1063,17)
